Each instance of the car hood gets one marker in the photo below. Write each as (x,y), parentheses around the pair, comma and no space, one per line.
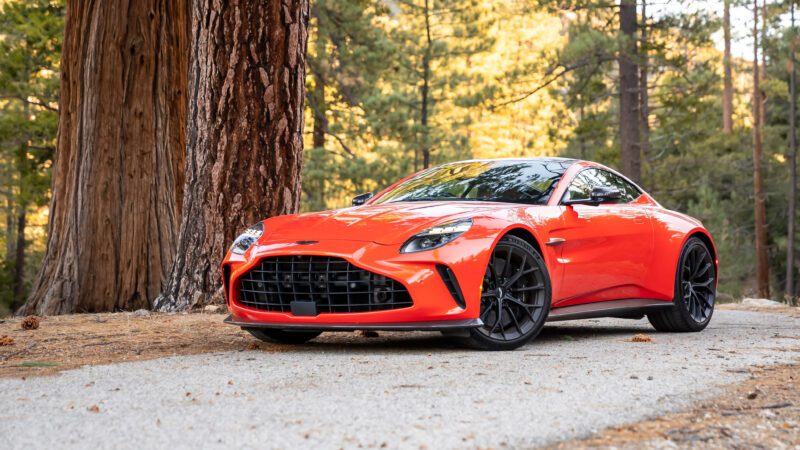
(387,223)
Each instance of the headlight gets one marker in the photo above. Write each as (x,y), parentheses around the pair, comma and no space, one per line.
(436,237)
(247,239)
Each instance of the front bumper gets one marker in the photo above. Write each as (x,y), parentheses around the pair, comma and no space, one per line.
(434,307)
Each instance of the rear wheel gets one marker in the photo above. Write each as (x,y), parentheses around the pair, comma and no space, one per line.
(515,296)
(282,336)
(695,291)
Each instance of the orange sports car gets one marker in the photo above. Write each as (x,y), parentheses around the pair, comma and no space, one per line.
(488,250)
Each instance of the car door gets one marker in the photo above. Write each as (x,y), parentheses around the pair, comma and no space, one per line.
(605,249)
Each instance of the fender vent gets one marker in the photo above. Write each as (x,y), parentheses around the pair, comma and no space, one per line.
(226,282)
(451,282)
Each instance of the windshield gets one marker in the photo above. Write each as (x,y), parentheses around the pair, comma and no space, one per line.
(513,181)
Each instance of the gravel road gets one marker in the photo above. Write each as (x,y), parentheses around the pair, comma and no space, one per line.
(398,391)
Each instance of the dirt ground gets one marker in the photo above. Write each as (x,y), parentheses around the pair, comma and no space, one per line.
(66,342)
(762,412)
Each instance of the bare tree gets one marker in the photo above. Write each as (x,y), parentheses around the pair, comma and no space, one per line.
(644,96)
(118,171)
(789,293)
(244,133)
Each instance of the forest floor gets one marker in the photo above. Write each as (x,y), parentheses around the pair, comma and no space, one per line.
(762,409)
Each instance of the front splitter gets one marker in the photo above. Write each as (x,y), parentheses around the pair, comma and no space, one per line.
(443,325)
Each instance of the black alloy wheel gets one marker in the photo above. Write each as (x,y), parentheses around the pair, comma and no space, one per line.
(695,291)
(515,296)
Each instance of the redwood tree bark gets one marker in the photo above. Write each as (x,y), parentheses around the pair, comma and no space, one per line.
(118,171)
(629,139)
(244,133)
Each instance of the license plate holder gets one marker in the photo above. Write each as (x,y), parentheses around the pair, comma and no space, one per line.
(304,308)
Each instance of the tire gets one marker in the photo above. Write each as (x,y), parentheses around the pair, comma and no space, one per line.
(282,336)
(695,292)
(515,298)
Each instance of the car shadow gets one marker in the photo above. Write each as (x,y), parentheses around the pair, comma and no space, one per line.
(420,341)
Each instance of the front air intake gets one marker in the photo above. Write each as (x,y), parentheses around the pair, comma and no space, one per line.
(450,280)
(332,284)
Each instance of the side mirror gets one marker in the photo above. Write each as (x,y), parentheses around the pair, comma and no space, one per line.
(600,194)
(359,200)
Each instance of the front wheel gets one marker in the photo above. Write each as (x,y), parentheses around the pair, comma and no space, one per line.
(695,291)
(283,337)
(515,296)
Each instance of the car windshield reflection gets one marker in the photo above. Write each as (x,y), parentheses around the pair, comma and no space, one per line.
(508,181)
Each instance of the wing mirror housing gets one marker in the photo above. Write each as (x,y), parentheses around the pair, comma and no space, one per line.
(600,194)
(359,200)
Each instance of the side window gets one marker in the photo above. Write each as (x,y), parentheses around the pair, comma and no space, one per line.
(629,192)
(582,185)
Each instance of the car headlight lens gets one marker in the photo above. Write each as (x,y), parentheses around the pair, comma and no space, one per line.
(436,237)
(247,239)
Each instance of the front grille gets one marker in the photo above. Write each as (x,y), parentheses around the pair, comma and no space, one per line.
(333,284)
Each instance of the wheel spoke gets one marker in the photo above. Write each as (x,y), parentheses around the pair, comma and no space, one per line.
(703,271)
(514,278)
(537,287)
(498,318)
(514,318)
(704,284)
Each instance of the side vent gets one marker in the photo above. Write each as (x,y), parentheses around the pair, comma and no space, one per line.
(451,282)
(226,282)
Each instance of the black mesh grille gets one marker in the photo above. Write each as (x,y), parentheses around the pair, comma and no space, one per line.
(335,285)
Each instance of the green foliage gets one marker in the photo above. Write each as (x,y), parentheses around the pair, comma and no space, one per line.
(391,80)
(30,50)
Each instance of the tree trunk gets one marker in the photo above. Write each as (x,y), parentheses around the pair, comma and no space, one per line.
(629,119)
(425,90)
(727,93)
(10,235)
(118,170)
(318,69)
(644,97)
(792,213)
(245,142)
(760,214)
(320,122)
(763,109)
(19,258)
